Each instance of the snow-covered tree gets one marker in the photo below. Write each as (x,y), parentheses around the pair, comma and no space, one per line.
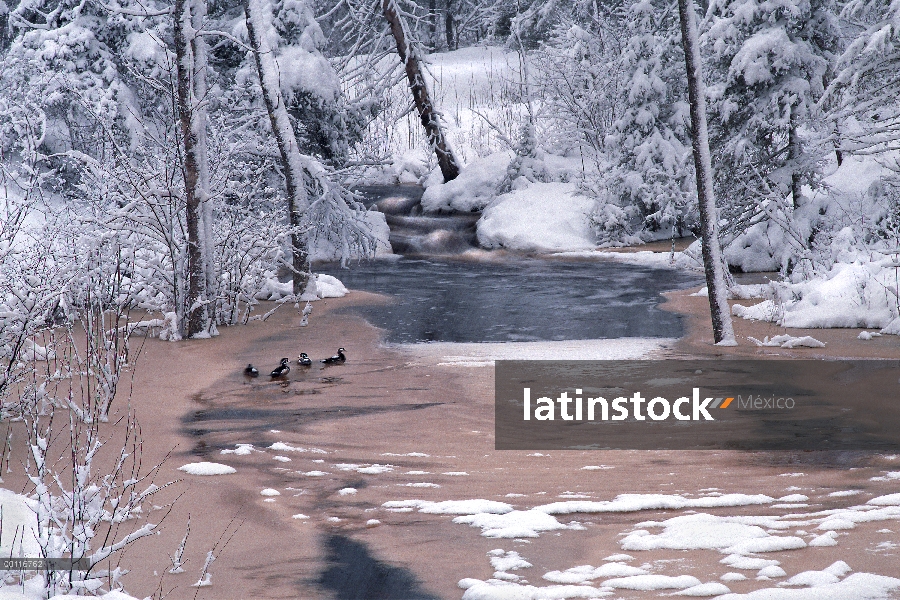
(327,124)
(191,90)
(768,61)
(410,54)
(319,207)
(580,79)
(260,34)
(649,144)
(866,86)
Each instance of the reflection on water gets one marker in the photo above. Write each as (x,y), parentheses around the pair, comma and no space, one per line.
(519,299)
(353,573)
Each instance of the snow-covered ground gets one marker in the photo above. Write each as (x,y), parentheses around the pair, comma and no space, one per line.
(18,538)
(743,540)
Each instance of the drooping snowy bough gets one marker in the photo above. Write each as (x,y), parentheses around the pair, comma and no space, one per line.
(332,214)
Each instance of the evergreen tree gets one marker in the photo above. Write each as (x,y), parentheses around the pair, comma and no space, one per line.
(867,82)
(768,60)
(649,144)
(326,124)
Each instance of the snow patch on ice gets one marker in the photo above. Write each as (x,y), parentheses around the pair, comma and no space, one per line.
(239,450)
(704,589)
(484,354)
(859,586)
(844,493)
(282,447)
(649,583)
(730,535)
(207,468)
(637,502)
(587,573)
(497,589)
(502,560)
(419,454)
(889,500)
(514,524)
(452,507)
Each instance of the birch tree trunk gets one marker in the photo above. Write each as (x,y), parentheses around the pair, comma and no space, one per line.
(422,99)
(258,14)
(201,91)
(195,310)
(713,260)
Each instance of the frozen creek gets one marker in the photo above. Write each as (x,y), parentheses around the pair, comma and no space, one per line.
(444,290)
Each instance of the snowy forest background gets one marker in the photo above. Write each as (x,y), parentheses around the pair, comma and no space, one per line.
(168,157)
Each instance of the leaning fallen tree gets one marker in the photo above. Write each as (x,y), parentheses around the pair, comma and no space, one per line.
(409,56)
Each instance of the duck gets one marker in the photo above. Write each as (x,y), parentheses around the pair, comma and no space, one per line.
(304,360)
(282,369)
(337,358)
(251,371)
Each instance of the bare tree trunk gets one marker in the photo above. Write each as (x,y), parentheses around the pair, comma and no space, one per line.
(446,161)
(793,156)
(432,24)
(713,261)
(259,22)
(196,315)
(450,27)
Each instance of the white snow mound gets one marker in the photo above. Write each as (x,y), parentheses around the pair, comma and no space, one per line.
(207,468)
(543,217)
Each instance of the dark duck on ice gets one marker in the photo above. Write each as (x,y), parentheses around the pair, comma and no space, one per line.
(282,369)
(251,371)
(336,359)
(304,360)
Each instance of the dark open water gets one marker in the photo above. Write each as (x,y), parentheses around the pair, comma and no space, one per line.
(519,299)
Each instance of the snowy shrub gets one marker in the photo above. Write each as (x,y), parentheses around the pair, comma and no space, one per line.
(527,165)
(613,225)
(862,293)
(82,513)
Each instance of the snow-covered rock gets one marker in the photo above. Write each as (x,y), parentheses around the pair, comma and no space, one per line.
(475,187)
(540,217)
